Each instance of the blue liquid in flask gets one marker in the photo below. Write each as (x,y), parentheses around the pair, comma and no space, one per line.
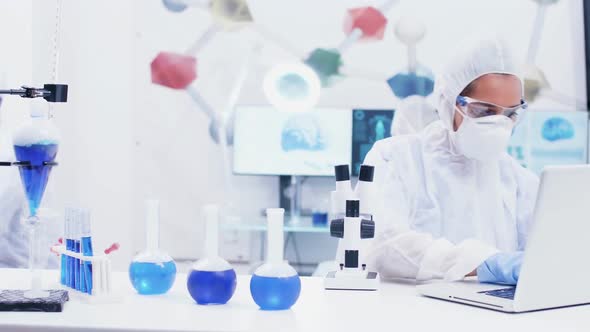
(152,278)
(275,293)
(212,287)
(35,176)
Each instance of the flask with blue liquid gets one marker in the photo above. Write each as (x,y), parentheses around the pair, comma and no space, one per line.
(152,271)
(275,285)
(211,280)
(35,148)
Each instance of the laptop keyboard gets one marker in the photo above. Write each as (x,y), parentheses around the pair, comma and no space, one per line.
(505,293)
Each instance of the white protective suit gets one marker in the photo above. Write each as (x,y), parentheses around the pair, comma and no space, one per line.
(441,213)
(14,242)
(412,115)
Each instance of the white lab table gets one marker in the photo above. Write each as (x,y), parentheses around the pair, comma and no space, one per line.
(396,307)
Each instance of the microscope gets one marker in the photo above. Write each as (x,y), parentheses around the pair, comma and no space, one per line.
(351,227)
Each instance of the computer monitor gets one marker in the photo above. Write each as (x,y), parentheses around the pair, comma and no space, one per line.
(307,144)
(271,142)
(550,137)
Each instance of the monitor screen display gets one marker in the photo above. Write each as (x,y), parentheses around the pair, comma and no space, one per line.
(545,137)
(271,142)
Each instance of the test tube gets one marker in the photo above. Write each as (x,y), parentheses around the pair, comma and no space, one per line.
(70,247)
(86,250)
(76,236)
(80,221)
(63,258)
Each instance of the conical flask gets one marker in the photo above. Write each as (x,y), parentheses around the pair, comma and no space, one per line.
(35,147)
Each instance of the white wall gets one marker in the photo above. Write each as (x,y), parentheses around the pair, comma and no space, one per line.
(96,155)
(15,69)
(126,139)
(15,64)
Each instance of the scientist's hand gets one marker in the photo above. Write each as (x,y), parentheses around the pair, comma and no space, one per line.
(502,268)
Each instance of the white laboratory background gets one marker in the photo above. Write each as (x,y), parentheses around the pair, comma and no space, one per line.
(125,139)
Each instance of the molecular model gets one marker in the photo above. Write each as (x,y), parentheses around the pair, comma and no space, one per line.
(179,70)
(364,23)
(293,86)
(296,86)
(417,80)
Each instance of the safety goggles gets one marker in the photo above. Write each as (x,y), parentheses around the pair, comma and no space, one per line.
(474,108)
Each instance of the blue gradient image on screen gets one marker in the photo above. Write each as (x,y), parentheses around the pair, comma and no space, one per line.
(556,128)
(35,176)
(302,132)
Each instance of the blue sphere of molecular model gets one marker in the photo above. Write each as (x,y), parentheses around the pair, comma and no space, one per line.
(407,83)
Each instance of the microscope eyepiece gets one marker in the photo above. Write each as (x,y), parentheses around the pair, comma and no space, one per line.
(342,173)
(366,173)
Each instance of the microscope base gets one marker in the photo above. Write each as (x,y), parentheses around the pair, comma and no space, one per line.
(363,281)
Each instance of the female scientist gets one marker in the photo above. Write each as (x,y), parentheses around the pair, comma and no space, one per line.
(455,204)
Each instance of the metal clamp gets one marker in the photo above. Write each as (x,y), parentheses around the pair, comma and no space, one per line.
(26,163)
(53,93)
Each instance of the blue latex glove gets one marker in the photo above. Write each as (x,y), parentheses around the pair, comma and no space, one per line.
(502,268)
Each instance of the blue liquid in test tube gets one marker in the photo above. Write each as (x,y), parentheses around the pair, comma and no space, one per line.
(69,259)
(63,273)
(77,281)
(82,219)
(87,267)
(64,258)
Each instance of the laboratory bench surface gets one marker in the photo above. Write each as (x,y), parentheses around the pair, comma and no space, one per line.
(395,307)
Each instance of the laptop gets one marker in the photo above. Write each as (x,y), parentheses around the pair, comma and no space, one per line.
(555,270)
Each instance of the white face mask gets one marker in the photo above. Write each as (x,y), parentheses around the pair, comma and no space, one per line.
(483,139)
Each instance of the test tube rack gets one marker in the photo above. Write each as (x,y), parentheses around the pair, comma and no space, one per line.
(101,274)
